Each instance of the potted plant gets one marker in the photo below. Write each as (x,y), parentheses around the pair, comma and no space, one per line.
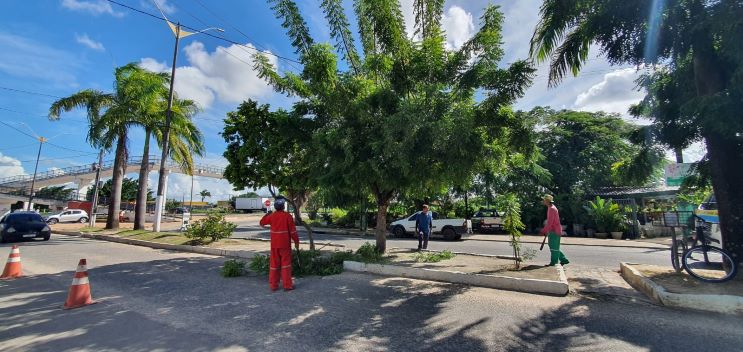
(605,215)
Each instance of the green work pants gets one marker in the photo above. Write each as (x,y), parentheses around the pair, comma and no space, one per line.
(555,254)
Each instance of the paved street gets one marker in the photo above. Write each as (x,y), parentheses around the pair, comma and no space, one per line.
(153,299)
(605,257)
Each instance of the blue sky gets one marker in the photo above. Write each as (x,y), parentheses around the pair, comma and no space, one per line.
(57,47)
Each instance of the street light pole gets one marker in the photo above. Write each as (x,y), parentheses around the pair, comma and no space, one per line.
(160,202)
(97,188)
(33,180)
(166,136)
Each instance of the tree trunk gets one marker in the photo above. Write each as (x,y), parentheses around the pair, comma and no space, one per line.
(297,200)
(725,155)
(140,212)
(726,168)
(381,229)
(114,204)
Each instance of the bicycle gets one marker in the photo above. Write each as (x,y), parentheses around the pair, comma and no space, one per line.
(701,259)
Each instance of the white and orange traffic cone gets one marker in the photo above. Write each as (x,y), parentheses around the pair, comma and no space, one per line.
(13,266)
(79,295)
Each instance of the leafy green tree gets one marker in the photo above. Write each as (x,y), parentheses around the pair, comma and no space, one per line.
(695,94)
(110,116)
(129,189)
(402,116)
(585,150)
(54,192)
(204,193)
(185,141)
(270,149)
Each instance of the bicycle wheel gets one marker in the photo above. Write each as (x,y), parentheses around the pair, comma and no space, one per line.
(676,253)
(710,264)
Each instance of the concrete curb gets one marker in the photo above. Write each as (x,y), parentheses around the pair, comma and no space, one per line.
(657,246)
(713,303)
(548,287)
(156,245)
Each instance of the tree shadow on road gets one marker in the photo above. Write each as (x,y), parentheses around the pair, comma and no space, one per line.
(184,305)
(588,324)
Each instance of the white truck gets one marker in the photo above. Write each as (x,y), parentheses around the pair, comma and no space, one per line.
(449,229)
(250,204)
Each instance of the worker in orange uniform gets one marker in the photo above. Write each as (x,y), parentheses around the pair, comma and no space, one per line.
(283,231)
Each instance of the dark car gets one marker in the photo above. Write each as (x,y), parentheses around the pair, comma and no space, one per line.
(23,225)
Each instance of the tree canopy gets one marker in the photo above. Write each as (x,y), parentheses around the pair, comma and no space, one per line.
(403,116)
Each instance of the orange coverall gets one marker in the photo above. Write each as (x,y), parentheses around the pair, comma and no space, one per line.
(283,231)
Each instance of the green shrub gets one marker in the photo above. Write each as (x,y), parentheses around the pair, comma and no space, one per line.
(338,215)
(434,257)
(260,264)
(214,227)
(368,253)
(233,268)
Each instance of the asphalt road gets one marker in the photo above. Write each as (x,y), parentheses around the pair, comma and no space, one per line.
(166,301)
(581,256)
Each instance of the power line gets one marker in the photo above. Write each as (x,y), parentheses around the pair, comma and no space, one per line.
(204,33)
(70,149)
(37,115)
(29,92)
(19,130)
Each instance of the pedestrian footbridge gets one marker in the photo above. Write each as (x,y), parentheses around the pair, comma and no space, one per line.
(17,188)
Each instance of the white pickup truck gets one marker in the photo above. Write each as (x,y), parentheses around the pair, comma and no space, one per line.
(450,229)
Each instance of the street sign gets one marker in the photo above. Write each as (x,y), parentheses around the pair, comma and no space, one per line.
(676,173)
(267,203)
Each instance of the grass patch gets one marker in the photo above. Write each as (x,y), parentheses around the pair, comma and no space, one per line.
(434,257)
(89,229)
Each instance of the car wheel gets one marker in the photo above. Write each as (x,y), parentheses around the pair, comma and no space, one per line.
(52,221)
(458,237)
(449,234)
(399,231)
(83,220)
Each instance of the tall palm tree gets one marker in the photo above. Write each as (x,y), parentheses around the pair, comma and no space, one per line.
(185,141)
(111,115)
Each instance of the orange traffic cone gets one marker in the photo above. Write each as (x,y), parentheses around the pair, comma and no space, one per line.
(79,295)
(13,266)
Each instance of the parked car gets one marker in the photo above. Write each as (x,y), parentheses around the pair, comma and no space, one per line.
(450,229)
(487,220)
(22,225)
(70,215)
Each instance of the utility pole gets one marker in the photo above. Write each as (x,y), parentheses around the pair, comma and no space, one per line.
(160,201)
(36,168)
(91,221)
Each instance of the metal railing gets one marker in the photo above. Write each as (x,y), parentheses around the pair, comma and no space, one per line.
(90,169)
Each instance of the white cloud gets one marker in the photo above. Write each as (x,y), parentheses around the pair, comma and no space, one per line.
(96,7)
(458,25)
(225,75)
(29,59)
(10,166)
(90,43)
(456,22)
(164,5)
(615,93)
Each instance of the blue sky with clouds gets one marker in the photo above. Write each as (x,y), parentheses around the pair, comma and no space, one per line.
(57,47)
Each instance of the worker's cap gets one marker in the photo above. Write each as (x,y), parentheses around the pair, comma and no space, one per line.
(279,203)
(549,198)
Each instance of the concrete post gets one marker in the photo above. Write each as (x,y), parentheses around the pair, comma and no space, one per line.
(160,204)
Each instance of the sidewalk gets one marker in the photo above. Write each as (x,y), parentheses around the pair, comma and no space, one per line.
(649,243)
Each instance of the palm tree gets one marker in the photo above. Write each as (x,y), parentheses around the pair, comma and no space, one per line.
(204,194)
(185,140)
(694,93)
(111,115)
